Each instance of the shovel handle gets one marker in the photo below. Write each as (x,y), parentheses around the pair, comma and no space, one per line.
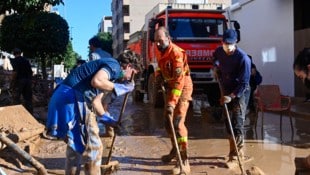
(119,120)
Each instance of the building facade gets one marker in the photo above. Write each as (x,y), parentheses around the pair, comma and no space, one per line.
(105,24)
(127,18)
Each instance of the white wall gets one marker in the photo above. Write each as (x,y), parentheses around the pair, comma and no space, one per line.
(267,33)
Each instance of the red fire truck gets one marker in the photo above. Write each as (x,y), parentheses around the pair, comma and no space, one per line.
(197,29)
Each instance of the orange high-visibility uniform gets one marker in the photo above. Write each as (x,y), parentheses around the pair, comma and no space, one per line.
(174,68)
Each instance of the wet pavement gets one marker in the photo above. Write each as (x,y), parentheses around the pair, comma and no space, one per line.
(143,140)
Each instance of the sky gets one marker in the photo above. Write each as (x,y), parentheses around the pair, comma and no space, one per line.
(83,18)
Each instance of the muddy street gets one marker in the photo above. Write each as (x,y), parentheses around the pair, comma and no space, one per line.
(142,140)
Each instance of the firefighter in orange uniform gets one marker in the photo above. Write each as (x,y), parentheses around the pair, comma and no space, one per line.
(174,69)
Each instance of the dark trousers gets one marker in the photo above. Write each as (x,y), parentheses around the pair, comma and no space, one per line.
(23,87)
(237,109)
(251,105)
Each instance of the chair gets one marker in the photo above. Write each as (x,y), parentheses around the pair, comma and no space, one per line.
(268,98)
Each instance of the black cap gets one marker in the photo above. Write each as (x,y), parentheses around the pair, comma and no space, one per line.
(16,51)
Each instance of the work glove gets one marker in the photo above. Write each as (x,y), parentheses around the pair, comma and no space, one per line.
(121,89)
(108,120)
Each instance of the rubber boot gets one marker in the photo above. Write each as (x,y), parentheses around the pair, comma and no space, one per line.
(232,152)
(169,157)
(185,162)
(172,154)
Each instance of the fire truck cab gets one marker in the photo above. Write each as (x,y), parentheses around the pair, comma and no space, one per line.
(198,31)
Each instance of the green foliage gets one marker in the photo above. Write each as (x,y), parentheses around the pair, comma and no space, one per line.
(26,6)
(38,35)
(70,57)
(106,39)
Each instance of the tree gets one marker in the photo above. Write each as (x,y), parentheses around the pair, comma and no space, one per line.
(106,39)
(70,57)
(39,35)
(26,6)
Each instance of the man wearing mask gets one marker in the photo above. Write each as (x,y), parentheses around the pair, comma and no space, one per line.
(233,70)
(174,69)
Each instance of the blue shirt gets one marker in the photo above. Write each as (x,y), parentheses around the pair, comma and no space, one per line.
(67,107)
(99,53)
(80,77)
(235,70)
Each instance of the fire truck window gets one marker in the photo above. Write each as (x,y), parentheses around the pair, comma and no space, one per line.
(173,26)
(180,28)
(195,27)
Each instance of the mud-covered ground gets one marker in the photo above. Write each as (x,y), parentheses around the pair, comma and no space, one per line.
(142,140)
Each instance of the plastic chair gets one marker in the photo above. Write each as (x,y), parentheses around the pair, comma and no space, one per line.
(269,99)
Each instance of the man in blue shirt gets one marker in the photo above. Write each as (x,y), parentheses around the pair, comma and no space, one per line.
(76,102)
(233,70)
(96,52)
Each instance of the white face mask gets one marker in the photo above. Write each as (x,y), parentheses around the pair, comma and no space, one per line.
(229,48)
(162,46)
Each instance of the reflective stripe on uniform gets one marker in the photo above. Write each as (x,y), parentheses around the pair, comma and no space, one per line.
(176,92)
(182,139)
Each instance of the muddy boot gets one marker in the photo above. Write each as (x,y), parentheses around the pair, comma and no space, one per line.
(255,171)
(232,152)
(186,166)
(169,157)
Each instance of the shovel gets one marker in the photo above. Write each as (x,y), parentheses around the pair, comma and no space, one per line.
(113,165)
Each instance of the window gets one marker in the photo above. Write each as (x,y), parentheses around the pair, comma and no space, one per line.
(126,10)
(126,28)
(195,27)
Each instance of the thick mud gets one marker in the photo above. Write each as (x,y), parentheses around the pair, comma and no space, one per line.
(272,145)
(142,140)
